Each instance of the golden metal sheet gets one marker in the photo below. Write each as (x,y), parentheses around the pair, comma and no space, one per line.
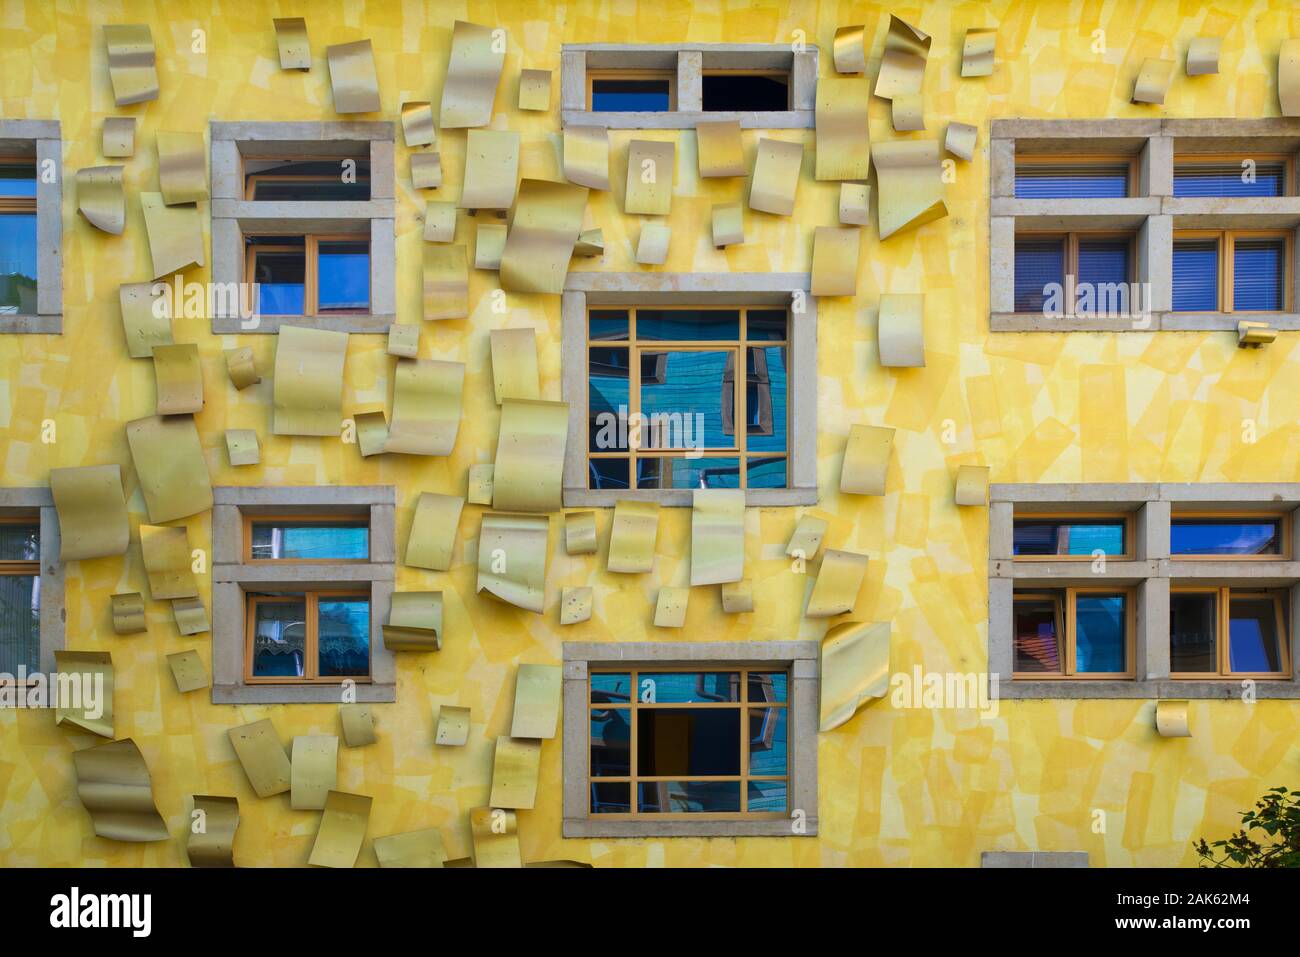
(854,668)
(652,244)
(849,50)
(358,722)
(132,64)
(537,701)
(1254,334)
(907,112)
(86,700)
(580,533)
(650,167)
(728,224)
(866,460)
(114,787)
(188,671)
(776,176)
(480,485)
(118,140)
(835,260)
(412,849)
(404,340)
(909,176)
(342,830)
(1288,77)
(1172,719)
(855,204)
(515,767)
(978,51)
(843,145)
(182,168)
(902,64)
(175,235)
(91,507)
(529,469)
(838,582)
(496,837)
(128,613)
(453,726)
(489,244)
(1202,56)
(308,385)
(446,282)
(426,170)
(670,607)
(169,463)
(241,368)
(960,140)
(262,757)
(314,771)
(591,242)
(179,378)
(166,552)
(544,228)
(433,531)
(512,551)
(557,864)
(190,616)
(439,221)
(473,72)
(242,447)
(972,485)
(491,169)
(807,537)
(720,147)
(417,124)
(575,605)
(291,39)
(427,397)
(514,364)
(146,318)
(632,537)
(717,536)
(535,90)
(738,597)
(414,621)
(101,198)
(1153,81)
(900,331)
(372,432)
(353,79)
(586,156)
(211,841)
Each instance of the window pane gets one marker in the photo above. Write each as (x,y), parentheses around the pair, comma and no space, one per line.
(607,399)
(745,91)
(20,623)
(279,639)
(766,324)
(20,542)
(1037,636)
(1192,628)
(18,179)
(767,742)
(608,473)
(310,540)
(1039,264)
(1068,537)
(766,473)
(767,687)
(18,264)
(1229,179)
(635,96)
(1252,635)
(767,796)
(1225,537)
(607,798)
(344,276)
(1258,269)
(280,274)
(608,324)
(689,473)
(611,748)
(691,742)
(683,395)
(1099,628)
(1196,275)
(688,325)
(765,398)
(676,687)
(300,181)
(1062,181)
(343,634)
(684,797)
(1104,265)
(612,687)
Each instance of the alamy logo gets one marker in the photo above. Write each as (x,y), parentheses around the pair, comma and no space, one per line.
(70,690)
(74,909)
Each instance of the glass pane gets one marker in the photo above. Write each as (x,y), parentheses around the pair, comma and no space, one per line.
(745,91)
(768,686)
(607,324)
(1252,635)
(1192,628)
(1099,629)
(767,742)
(688,325)
(1039,264)
(344,281)
(766,473)
(1225,537)
(18,179)
(607,399)
(765,324)
(689,473)
(300,181)
(343,634)
(310,540)
(611,687)
(1196,275)
(281,275)
(611,798)
(635,96)
(1229,179)
(1037,637)
(279,639)
(676,687)
(20,542)
(1103,277)
(611,747)
(1258,269)
(18,264)
(687,797)
(1068,537)
(766,395)
(20,623)
(608,473)
(1061,181)
(767,796)
(684,396)
(692,742)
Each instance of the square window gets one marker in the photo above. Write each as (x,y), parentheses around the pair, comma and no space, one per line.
(1228,632)
(1073,632)
(309,275)
(316,636)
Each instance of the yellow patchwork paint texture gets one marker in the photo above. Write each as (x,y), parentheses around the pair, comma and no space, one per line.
(896,786)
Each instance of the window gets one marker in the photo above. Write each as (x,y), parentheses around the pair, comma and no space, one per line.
(307,538)
(632,91)
(1075,538)
(1074,632)
(315,636)
(1096,267)
(1050,177)
(1229,536)
(1232,176)
(310,275)
(31,226)
(20,595)
(284,180)
(1254,623)
(735,90)
(18,235)
(1231,271)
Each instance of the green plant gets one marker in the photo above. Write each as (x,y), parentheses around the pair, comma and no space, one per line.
(1277,815)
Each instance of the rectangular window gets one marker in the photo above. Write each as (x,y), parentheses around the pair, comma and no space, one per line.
(1228,536)
(746,90)
(1093,178)
(1196,275)
(306,539)
(1096,267)
(1259,273)
(1234,176)
(1232,271)
(1071,537)
(310,275)
(20,595)
(18,235)
(307,180)
(312,637)
(1255,623)
(703,744)
(1074,632)
(665,398)
(632,91)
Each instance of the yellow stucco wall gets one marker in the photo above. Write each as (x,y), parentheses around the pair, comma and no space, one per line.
(897,787)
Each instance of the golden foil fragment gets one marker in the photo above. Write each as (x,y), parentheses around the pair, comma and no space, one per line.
(1288,77)
(544,227)
(491,170)
(855,204)
(721,149)
(146,318)
(433,531)
(291,38)
(978,50)
(900,331)
(91,506)
(535,90)
(446,282)
(342,830)
(843,146)
(835,260)
(314,771)
(909,177)
(417,124)
(188,671)
(514,364)
(262,757)
(738,597)
(1202,56)
(649,189)
(190,616)
(404,340)
(972,485)
(101,198)
(118,140)
(128,613)
(529,468)
(167,561)
(480,485)
(353,78)
(512,552)
(652,244)
(182,168)
(175,235)
(372,431)
(179,378)
(308,385)
(426,170)
(169,463)
(866,460)
(537,701)
(776,176)
(439,221)
(414,621)
(412,849)
(132,63)
(717,536)
(83,691)
(632,537)
(907,112)
(1254,334)
(575,605)
(114,787)
(473,72)
(489,244)
(453,726)
(854,669)
(241,367)
(358,722)
(586,156)
(670,607)
(591,242)
(1172,719)
(211,843)
(728,224)
(807,537)
(902,65)
(1153,81)
(515,767)
(580,533)
(427,397)
(496,837)
(838,582)
(849,50)
(960,140)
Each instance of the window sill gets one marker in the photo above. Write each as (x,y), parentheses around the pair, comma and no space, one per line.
(689,119)
(1167,321)
(302,694)
(590,827)
(31,325)
(684,497)
(1223,689)
(361,324)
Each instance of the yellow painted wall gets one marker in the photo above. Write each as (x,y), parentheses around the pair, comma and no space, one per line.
(896,787)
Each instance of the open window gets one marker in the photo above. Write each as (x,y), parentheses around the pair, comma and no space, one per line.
(1074,632)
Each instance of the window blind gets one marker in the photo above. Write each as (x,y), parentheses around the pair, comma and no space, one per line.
(1258,268)
(1073,181)
(1038,263)
(1196,275)
(1229,179)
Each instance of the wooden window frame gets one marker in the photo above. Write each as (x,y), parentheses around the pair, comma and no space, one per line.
(1128,518)
(25,568)
(1284,532)
(311,647)
(1223,617)
(1287,160)
(1226,240)
(1131,161)
(610,74)
(249,519)
(1067,614)
(19,205)
(632,779)
(1070,266)
(777,74)
(739,449)
(311,269)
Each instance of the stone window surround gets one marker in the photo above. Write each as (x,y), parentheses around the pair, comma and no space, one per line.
(689,60)
(803,659)
(1151,571)
(233,216)
(19,137)
(1154,214)
(230,578)
(607,288)
(39,502)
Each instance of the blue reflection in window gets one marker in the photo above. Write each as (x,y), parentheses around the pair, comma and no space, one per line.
(343,636)
(636,96)
(1252,632)
(611,687)
(18,264)
(1067,538)
(1196,275)
(1224,538)
(767,742)
(767,796)
(1099,629)
(344,276)
(312,540)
